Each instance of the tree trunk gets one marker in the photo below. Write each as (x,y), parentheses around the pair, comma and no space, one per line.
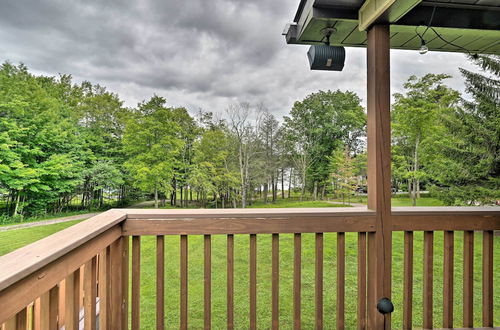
(173,201)
(276,188)
(182,199)
(266,188)
(413,195)
(290,182)
(315,190)
(303,192)
(83,195)
(282,183)
(414,179)
(273,188)
(156,197)
(18,197)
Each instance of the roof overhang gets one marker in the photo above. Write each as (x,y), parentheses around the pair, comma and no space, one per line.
(457,25)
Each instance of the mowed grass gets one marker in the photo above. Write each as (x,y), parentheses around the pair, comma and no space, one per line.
(395,201)
(14,239)
(423,201)
(401,200)
(264,273)
(283,203)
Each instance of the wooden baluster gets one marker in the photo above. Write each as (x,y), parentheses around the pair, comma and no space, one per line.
(17,322)
(408,280)
(319,282)
(10,324)
(275,281)
(468,278)
(72,292)
(22,319)
(448,266)
(125,281)
(184,282)
(160,282)
(340,280)
(297,277)
(90,287)
(428,278)
(104,288)
(82,276)
(371,297)
(488,278)
(208,282)
(119,284)
(230,281)
(36,318)
(116,288)
(136,282)
(49,305)
(361,281)
(62,303)
(253,281)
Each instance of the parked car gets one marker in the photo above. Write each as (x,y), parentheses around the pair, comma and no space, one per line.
(362,190)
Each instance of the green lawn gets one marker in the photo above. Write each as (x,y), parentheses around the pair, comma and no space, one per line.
(286,267)
(400,201)
(14,239)
(281,203)
(424,201)
(11,221)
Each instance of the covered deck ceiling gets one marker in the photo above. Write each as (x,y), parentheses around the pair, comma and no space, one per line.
(455,25)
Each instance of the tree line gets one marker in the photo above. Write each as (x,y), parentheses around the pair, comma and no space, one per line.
(65,145)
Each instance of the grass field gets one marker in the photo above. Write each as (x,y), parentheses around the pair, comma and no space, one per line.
(14,239)
(400,200)
(281,203)
(286,267)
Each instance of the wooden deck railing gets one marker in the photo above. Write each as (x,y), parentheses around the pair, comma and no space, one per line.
(42,284)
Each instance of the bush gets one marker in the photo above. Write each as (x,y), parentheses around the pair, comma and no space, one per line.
(6,219)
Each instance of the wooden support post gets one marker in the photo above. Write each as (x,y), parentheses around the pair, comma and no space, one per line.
(379,167)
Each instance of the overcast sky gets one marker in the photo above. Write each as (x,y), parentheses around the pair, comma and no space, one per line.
(195,53)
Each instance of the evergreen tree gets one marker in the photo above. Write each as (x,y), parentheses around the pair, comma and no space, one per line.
(469,170)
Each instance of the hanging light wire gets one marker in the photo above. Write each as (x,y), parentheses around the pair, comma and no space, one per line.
(423,47)
(452,44)
(423,43)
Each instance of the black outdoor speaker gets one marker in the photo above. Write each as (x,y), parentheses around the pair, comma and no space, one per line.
(322,57)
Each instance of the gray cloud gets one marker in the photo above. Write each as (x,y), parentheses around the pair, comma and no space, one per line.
(199,54)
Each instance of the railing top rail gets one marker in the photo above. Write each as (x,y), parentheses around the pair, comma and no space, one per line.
(26,260)
(248,221)
(446,210)
(247,213)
